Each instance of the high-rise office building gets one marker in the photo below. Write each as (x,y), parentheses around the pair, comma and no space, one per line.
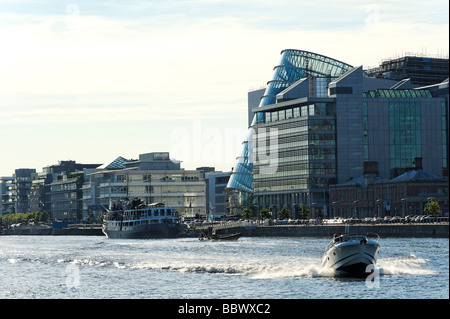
(319,129)
(294,65)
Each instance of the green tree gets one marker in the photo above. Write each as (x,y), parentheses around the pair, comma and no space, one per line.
(304,211)
(265,213)
(284,213)
(44,217)
(247,213)
(432,207)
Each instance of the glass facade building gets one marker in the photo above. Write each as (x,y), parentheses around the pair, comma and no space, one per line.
(320,120)
(294,65)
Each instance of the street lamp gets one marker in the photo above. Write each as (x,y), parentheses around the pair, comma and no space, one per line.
(356,210)
(404,206)
(379,205)
(333,208)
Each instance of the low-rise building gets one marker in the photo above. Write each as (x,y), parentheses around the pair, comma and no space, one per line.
(371,196)
(216,182)
(152,178)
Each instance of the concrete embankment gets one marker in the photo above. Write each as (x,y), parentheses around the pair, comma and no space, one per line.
(72,231)
(394,230)
(384,230)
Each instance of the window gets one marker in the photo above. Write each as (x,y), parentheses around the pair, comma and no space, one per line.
(289,114)
(341,90)
(304,110)
(274,116)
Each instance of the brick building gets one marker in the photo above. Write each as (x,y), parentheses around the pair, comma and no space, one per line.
(370,196)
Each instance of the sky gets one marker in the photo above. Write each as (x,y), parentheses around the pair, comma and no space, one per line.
(93,80)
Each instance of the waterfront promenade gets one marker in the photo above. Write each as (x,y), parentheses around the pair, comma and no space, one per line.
(438,229)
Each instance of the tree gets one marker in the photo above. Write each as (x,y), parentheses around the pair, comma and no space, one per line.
(265,213)
(44,216)
(304,211)
(432,207)
(284,213)
(248,213)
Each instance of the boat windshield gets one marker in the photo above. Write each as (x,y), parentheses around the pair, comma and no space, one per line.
(352,238)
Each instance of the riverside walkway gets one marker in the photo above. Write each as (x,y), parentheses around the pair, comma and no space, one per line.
(300,228)
(436,228)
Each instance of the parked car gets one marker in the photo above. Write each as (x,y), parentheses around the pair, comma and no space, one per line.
(395,219)
(369,220)
(406,219)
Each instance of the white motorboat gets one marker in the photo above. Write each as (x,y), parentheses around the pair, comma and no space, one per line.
(351,254)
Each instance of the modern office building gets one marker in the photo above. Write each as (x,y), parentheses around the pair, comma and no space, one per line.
(152,178)
(294,65)
(319,129)
(420,70)
(57,189)
(16,197)
(216,199)
(65,196)
(5,184)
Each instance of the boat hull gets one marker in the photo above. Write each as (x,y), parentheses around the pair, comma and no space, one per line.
(149,231)
(352,258)
(234,236)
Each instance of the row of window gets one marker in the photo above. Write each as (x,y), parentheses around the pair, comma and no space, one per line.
(106,191)
(281,185)
(294,173)
(398,94)
(316,109)
(148,178)
(348,195)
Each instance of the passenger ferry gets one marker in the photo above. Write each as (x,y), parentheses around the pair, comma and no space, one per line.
(136,220)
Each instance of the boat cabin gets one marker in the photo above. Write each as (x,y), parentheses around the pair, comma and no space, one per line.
(155,213)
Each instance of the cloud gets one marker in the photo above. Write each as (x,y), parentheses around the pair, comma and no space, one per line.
(79,69)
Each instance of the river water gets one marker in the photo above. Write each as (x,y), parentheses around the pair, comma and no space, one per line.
(251,268)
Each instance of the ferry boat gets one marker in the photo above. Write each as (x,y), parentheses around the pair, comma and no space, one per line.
(134,220)
(351,254)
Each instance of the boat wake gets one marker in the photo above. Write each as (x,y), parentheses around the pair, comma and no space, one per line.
(308,271)
(410,265)
(255,270)
(288,268)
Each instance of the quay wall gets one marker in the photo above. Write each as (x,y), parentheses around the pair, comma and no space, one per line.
(384,230)
(395,230)
(72,231)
